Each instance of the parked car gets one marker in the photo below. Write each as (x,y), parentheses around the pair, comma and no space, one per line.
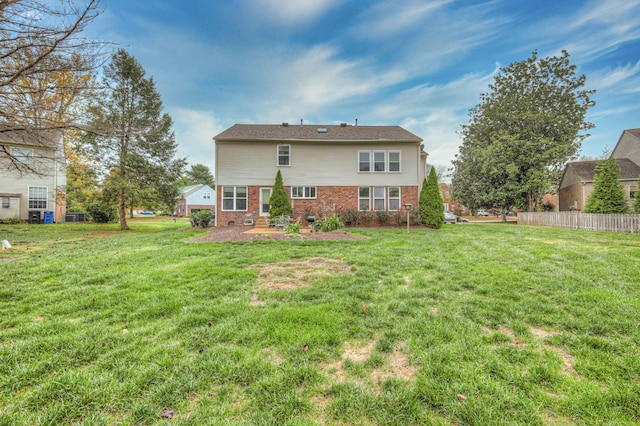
(148,213)
(462,219)
(449,217)
(483,212)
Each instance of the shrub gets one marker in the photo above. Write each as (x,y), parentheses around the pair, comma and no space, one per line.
(399,218)
(201,218)
(383,217)
(280,204)
(102,213)
(331,223)
(292,229)
(367,217)
(351,216)
(431,205)
(15,220)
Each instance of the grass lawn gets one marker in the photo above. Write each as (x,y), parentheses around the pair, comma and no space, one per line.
(472,324)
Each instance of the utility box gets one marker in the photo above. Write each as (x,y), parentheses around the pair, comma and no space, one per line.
(34,216)
(48,218)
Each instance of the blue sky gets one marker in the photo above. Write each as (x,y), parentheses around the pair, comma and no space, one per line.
(418,64)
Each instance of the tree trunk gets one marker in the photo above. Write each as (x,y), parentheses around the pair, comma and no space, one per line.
(531,205)
(121,211)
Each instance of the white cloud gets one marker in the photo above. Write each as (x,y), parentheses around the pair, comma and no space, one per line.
(194,135)
(290,13)
(622,79)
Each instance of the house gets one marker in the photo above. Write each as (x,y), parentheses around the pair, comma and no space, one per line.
(194,198)
(32,176)
(577,181)
(324,168)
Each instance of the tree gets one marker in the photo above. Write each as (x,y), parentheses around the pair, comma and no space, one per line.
(607,195)
(133,138)
(45,66)
(521,135)
(199,174)
(280,205)
(636,200)
(431,205)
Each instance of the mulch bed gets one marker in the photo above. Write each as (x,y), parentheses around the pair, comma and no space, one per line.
(237,233)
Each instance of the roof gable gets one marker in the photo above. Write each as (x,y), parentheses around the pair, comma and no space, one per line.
(586,170)
(308,132)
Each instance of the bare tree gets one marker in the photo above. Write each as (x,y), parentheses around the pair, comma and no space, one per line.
(46,66)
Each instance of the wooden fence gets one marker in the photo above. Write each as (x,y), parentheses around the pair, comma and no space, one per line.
(585,221)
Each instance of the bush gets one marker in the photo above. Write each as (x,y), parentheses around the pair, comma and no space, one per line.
(15,220)
(331,223)
(292,229)
(399,218)
(383,217)
(102,213)
(351,216)
(280,204)
(201,218)
(367,217)
(431,205)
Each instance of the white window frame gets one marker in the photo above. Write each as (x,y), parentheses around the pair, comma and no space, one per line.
(362,198)
(389,162)
(377,197)
(235,198)
(206,195)
(288,156)
(36,199)
(309,192)
(6,202)
(390,198)
(377,162)
(23,155)
(367,162)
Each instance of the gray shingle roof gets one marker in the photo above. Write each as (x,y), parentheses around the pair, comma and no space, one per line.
(586,170)
(312,132)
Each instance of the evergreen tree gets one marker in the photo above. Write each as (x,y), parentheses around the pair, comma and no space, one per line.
(431,205)
(133,138)
(607,195)
(279,200)
(636,200)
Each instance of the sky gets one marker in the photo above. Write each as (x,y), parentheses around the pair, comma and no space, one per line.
(421,65)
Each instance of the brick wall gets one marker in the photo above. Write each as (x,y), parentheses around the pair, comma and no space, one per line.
(328,199)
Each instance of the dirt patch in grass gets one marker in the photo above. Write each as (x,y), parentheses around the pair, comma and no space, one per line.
(237,233)
(294,274)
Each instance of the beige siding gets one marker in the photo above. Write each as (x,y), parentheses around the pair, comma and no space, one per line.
(628,147)
(312,164)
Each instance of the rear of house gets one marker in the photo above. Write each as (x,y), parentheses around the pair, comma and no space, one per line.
(33,180)
(324,168)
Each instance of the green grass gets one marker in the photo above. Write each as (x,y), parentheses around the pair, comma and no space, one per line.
(474,324)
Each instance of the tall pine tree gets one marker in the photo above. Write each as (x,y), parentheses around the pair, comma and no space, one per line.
(607,195)
(133,138)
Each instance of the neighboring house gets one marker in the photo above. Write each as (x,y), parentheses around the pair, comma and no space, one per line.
(577,181)
(324,168)
(194,198)
(36,182)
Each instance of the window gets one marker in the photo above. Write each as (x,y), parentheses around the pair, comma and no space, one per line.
(37,197)
(364,198)
(23,155)
(378,198)
(206,195)
(284,155)
(379,161)
(234,198)
(394,198)
(364,161)
(6,202)
(394,161)
(303,192)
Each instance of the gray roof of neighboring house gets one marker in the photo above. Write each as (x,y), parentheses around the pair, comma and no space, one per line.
(634,132)
(586,170)
(188,190)
(316,132)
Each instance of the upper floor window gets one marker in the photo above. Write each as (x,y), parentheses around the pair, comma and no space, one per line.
(206,195)
(23,155)
(284,155)
(234,198)
(37,197)
(379,161)
(303,192)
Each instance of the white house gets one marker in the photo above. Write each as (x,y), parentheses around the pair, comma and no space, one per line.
(32,175)
(194,198)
